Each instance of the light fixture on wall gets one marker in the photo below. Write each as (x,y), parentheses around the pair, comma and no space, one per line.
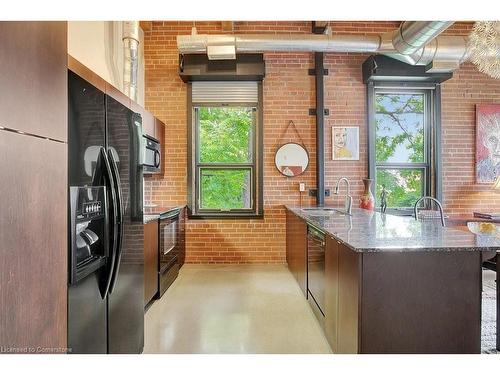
(484,47)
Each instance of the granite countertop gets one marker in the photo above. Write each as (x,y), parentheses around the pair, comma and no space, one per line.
(369,231)
(153,213)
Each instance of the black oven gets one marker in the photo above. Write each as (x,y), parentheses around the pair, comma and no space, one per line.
(152,155)
(169,249)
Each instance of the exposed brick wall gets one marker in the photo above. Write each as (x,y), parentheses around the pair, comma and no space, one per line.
(288,94)
(459,96)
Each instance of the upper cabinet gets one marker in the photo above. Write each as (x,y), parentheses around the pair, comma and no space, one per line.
(148,120)
(88,75)
(118,95)
(148,124)
(33,57)
(159,131)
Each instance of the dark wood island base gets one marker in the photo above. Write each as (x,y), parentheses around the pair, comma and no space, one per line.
(405,303)
(395,301)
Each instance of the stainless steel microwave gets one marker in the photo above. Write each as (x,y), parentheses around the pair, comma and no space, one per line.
(152,155)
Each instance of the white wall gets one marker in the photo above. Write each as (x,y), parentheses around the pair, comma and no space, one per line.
(98,45)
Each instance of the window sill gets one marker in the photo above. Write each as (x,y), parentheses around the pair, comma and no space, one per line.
(225,216)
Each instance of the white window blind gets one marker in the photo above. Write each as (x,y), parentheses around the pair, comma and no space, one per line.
(225,92)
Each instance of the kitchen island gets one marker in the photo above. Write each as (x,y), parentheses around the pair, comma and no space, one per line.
(390,284)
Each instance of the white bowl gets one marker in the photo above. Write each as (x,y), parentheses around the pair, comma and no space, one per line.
(483,228)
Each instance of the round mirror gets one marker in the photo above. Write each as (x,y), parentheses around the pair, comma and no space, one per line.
(291,159)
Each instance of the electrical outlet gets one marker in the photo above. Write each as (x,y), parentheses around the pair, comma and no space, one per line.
(302,187)
(327,192)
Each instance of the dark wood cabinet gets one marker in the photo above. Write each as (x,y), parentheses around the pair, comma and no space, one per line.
(378,302)
(148,124)
(119,96)
(33,186)
(296,249)
(349,284)
(160,136)
(33,238)
(150,260)
(397,301)
(341,296)
(88,75)
(159,130)
(148,120)
(331,291)
(33,79)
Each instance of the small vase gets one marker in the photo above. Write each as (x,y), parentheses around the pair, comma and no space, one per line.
(367,200)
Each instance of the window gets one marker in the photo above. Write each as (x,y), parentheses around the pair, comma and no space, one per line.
(402,145)
(225,157)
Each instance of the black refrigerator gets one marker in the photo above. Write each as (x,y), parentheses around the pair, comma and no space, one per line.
(106,232)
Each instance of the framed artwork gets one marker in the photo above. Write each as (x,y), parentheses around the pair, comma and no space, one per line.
(345,143)
(487,143)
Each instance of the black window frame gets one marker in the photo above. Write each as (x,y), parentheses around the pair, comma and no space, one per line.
(195,166)
(432,164)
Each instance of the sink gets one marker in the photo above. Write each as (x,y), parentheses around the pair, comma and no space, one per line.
(323,211)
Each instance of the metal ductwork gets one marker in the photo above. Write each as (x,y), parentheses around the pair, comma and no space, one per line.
(415,43)
(412,36)
(198,43)
(130,38)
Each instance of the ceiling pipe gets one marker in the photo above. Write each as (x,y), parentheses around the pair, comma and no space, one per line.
(281,43)
(412,36)
(130,38)
(420,41)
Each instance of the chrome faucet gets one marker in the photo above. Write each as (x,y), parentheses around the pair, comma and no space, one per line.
(348,198)
(438,203)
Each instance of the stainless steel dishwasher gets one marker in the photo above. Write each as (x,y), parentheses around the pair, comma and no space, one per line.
(316,271)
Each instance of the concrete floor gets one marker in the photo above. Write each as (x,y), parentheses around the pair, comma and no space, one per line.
(233,309)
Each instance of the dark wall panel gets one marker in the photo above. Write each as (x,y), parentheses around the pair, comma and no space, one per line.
(33,60)
(33,242)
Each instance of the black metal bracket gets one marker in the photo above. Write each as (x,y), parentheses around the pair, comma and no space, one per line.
(314,192)
(318,29)
(312,112)
(312,72)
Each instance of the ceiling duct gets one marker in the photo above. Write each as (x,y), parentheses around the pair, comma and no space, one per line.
(412,36)
(198,43)
(415,43)
(130,38)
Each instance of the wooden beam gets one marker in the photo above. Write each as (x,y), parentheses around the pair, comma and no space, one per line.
(227,26)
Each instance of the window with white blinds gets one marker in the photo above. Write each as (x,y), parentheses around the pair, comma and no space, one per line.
(228,92)
(225,159)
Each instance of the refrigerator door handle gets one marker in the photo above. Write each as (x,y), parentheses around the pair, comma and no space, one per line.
(118,193)
(108,176)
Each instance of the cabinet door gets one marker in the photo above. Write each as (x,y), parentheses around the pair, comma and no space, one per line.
(331,291)
(116,94)
(148,120)
(148,124)
(160,136)
(349,300)
(34,242)
(33,59)
(296,242)
(150,260)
